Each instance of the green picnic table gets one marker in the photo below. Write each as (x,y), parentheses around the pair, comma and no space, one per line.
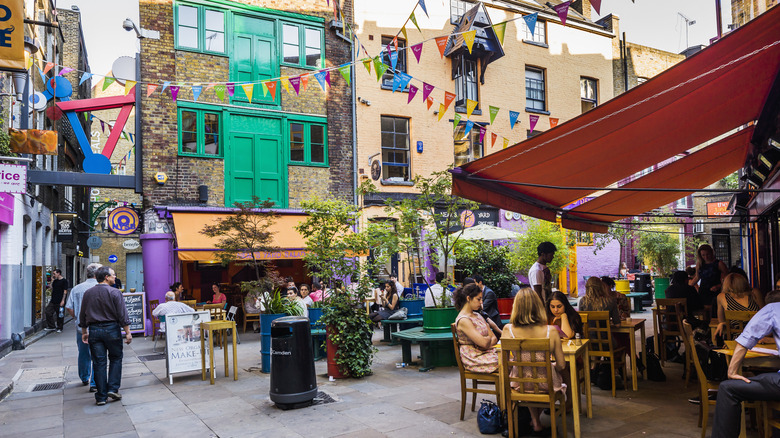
(435,347)
(393,325)
(637,297)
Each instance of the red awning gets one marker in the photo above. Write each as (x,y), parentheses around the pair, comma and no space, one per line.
(715,91)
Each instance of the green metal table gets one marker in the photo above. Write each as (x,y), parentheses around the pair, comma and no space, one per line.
(435,347)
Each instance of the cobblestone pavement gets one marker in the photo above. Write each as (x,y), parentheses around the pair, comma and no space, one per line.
(393,402)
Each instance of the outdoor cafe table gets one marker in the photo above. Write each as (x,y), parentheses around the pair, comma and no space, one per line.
(630,326)
(570,353)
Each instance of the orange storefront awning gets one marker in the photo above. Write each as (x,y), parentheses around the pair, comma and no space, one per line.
(193,246)
(721,88)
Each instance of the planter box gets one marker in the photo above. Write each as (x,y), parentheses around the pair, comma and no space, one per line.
(265,340)
(333,368)
(414,307)
(315,315)
(437,319)
(505,307)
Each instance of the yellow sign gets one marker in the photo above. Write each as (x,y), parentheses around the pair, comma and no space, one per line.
(12,35)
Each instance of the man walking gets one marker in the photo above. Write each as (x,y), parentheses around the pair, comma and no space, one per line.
(73,306)
(103,312)
(539,276)
(59,287)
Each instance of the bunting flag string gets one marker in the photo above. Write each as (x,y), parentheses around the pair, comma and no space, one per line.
(150,88)
(530,22)
(532,120)
(129,85)
(412,93)
(562,10)
(84,77)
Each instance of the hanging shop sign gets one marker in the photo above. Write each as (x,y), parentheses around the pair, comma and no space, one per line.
(66,226)
(33,141)
(467,218)
(7,208)
(12,35)
(123,221)
(94,242)
(718,209)
(13,178)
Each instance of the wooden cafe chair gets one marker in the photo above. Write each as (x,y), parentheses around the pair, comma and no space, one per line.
(771,422)
(535,391)
(736,320)
(704,385)
(670,312)
(598,330)
(155,321)
(476,379)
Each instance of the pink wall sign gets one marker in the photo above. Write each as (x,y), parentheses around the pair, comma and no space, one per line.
(13,178)
(7,208)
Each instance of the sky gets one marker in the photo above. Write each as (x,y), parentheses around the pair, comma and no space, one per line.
(653,23)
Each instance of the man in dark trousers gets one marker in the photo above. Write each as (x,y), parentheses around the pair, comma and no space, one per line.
(59,288)
(489,303)
(103,312)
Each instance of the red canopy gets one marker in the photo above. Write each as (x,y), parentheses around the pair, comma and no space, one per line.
(715,91)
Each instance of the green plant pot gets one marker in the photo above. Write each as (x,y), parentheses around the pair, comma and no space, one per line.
(661,284)
(438,319)
(414,307)
(265,340)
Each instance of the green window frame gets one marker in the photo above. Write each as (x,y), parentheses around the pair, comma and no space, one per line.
(308,143)
(201,132)
(302,46)
(200,28)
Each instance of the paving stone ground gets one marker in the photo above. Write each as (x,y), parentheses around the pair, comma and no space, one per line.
(393,402)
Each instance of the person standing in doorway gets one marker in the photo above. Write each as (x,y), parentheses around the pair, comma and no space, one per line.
(539,276)
(103,315)
(73,306)
(59,289)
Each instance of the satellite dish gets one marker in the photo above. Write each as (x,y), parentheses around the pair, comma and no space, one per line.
(376,170)
(123,69)
(38,101)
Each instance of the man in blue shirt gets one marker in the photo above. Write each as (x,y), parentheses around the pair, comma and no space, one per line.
(766,386)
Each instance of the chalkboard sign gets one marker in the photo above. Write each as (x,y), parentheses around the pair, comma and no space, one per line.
(136,311)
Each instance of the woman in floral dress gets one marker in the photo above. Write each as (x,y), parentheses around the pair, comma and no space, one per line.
(474,335)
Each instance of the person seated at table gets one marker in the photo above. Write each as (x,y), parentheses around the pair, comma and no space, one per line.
(597,298)
(317,294)
(289,282)
(624,307)
(680,288)
(623,270)
(437,294)
(253,305)
(170,306)
(562,315)
(475,337)
(295,296)
(763,387)
(178,290)
(389,304)
(736,295)
(219,297)
(305,295)
(529,320)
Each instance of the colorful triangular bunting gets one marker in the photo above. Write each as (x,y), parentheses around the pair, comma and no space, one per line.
(470,106)
(530,22)
(441,43)
(248,90)
(562,10)
(493,112)
(532,120)
(412,93)
(513,115)
(346,72)
(500,30)
(469,37)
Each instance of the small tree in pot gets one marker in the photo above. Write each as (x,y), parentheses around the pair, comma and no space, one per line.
(336,249)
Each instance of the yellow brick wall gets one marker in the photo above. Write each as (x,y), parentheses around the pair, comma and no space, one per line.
(572,52)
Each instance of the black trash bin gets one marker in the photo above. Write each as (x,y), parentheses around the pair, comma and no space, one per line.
(293,380)
(643,283)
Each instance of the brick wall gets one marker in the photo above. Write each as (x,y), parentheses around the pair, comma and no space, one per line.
(743,11)
(160,62)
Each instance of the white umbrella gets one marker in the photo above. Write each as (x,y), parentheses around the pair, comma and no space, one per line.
(486,232)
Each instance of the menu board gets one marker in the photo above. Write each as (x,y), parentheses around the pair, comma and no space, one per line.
(136,311)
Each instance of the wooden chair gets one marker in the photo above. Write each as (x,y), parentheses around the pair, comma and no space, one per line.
(251,317)
(191,303)
(770,422)
(155,321)
(704,385)
(670,312)
(736,320)
(476,379)
(532,392)
(599,330)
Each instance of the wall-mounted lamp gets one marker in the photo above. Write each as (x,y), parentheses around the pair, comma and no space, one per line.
(364,101)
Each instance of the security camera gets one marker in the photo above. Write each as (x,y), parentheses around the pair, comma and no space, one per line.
(128,24)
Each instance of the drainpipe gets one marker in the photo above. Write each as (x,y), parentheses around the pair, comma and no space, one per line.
(718,19)
(624,55)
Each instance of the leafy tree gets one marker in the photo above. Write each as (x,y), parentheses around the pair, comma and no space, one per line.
(492,262)
(731,181)
(538,231)
(660,249)
(622,232)
(336,250)
(432,216)
(245,233)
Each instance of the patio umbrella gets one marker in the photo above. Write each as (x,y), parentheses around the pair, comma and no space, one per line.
(486,232)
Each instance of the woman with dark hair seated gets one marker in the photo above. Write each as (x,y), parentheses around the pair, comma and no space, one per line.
(680,288)
(562,315)
(390,303)
(475,336)
(623,306)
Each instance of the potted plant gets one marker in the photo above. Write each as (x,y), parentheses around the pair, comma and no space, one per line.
(337,245)
(493,263)
(414,304)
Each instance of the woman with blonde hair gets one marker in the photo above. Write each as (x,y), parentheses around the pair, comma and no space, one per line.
(737,295)
(710,271)
(529,320)
(597,298)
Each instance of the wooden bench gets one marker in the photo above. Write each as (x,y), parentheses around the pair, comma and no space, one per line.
(394,325)
(435,347)
(637,297)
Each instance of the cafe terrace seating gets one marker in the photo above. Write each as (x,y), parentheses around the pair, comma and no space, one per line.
(736,320)
(476,379)
(530,393)
(599,330)
(669,313)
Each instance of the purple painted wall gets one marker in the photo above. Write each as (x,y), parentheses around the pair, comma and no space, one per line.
(158,258)
(604,262)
